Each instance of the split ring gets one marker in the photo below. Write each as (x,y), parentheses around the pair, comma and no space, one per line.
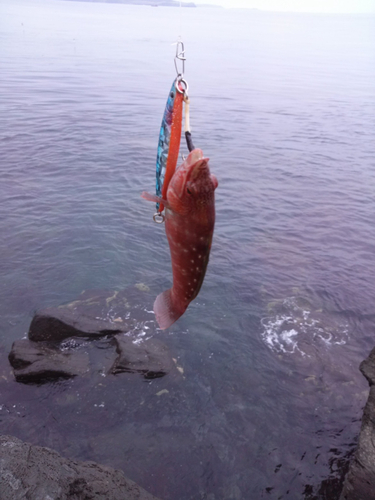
(159,218)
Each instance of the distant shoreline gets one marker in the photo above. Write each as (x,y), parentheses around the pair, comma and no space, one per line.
(152,3)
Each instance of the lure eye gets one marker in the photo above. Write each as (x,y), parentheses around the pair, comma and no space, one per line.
(172,95)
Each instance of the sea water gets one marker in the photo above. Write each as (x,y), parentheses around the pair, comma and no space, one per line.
(271,397)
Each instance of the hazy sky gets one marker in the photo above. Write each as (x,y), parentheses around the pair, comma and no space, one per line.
(299,5)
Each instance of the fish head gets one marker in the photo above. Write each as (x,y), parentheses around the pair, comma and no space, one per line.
(192,186)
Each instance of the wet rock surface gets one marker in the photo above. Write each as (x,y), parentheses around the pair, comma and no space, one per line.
(93,314)
(36,361)
(150,358)
(360,480)
(28,471)
(107,331)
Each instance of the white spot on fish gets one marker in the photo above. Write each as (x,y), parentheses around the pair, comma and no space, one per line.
(192,261)
(199,256)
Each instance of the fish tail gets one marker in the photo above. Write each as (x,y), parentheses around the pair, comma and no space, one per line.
(165,309)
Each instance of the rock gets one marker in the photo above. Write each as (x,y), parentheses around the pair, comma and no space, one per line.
(34,472)
(94,314)
(149,357)
(367,368)
(76,319)
(360,481)
(59,346)
(39,362)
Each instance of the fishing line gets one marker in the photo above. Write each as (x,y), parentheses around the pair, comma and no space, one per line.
(180,35)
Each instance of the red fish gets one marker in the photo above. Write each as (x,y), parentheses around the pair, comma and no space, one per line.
(189,224)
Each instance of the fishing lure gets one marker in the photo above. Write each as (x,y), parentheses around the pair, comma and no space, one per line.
(169,141)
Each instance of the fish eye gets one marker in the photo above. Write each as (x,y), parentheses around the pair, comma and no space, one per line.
(172,95)
(188,191)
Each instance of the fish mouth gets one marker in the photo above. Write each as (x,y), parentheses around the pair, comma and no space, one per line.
(195,162)
(194,156)
(198,168)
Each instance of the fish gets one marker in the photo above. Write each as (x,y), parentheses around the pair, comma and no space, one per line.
(189,225)
(169,141)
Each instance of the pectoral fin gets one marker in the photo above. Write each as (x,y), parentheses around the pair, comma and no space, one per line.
(157,199)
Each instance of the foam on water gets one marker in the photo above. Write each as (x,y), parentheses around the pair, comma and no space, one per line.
(292,328)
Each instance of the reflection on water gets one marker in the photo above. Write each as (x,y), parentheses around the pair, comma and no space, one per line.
(270,398)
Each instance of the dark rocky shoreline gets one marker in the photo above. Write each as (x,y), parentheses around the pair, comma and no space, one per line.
(33,472)
(360,481)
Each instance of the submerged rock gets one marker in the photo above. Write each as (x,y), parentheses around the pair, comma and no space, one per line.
(38,362)
(150,357)
(29,471)
(94,314)
(360,481)
(68,340)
